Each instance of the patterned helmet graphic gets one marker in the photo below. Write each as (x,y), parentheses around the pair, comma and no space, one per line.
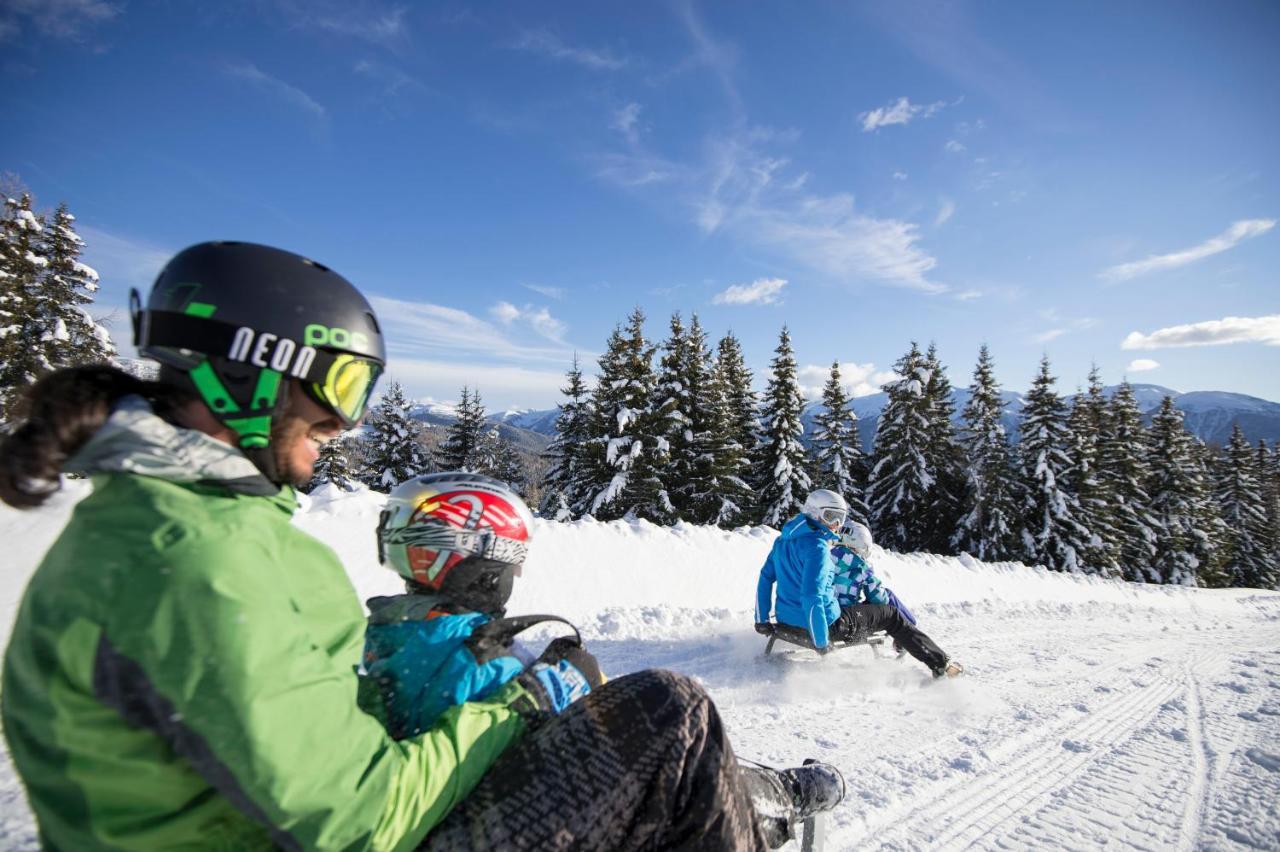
(432,523)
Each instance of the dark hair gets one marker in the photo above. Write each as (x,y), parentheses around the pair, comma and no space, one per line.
(62,411)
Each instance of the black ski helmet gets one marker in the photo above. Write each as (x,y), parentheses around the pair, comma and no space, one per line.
(234,320)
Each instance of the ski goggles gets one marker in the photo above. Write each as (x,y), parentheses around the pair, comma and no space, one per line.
(464,542)
(833,517)
(346,386)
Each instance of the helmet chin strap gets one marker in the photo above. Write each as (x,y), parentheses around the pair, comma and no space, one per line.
(251,420)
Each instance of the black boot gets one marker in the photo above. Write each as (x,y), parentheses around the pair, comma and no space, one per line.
(783,798)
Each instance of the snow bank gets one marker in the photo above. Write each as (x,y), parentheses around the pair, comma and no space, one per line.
(625,579)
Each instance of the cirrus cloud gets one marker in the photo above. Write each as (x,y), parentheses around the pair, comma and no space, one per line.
(901,111)
(1238,232)
(762,291)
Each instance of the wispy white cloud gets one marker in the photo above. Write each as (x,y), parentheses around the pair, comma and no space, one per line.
(968,295)
(899,175)
(423,329)
(373,21)
(63,19)
(546,43)
(539,319)
(626,121)
(955,146)
(1233,236)
(1141,365)
(392,80)
(901,111)
(277,88)
(1265,330)
(556,293)
(945,211)
(1062,326)
(762,291)
(1051,334)
(857,379)
(501,386)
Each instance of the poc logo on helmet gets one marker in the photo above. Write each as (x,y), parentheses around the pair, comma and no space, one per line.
(321,335)
(271,351)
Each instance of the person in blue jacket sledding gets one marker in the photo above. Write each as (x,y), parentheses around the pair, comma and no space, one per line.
(803,567)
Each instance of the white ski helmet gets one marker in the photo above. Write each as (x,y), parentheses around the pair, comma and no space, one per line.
(856,537)
(460,534)
(826,507)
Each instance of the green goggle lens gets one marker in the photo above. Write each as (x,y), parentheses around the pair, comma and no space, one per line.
(347,387)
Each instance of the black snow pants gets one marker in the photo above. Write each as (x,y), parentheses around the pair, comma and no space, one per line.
(643,762)
(863,619)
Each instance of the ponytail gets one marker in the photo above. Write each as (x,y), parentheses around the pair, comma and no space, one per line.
(63,411)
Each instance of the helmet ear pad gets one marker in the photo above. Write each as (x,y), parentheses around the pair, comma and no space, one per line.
(479,584)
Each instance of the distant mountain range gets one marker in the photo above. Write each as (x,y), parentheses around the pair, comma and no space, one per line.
(1210,415)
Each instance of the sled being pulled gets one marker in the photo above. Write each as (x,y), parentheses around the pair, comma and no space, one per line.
(799,636)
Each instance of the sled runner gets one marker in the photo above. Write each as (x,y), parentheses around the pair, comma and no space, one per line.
(799,636)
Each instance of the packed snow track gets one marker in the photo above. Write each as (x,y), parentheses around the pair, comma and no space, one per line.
(1091,713)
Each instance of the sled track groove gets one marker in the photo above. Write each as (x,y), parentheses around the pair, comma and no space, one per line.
(974,805)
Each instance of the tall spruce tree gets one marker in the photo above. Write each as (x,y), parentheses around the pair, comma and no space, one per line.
(1212,543)
(716,492)
(738,432)
(673,413)
(782,480)
(627,452)
(22,264)
(392,450)
(838,461)
(1052,536)
(943,458)
(1268,467)
(1124,476)
(901,482)
(1088,422)
(498,457)
(563,485)
(73,336)
(989,527)
(460,449)
(1240,497)
(1175,489)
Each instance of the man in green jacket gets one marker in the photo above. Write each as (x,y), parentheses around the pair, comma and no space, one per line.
(182,670)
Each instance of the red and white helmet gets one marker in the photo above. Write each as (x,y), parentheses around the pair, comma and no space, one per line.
(434,523)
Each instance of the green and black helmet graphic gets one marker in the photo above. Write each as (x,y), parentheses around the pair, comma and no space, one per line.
(238,319)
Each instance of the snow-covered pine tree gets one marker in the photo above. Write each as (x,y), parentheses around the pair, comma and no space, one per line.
(1087,423)
(782,482)
(562,485)
(1268,466)
(392,450)
(738,433)
(74,336)
(1124,476)
(460,448)
(497,457)
(838,462)
(1211,545)
(1240,499)
(333,466)
(1175,489)
(943,458)
(989,528)
(899,487)
(627,453)
(672,408)
(22,264)
(1051,534)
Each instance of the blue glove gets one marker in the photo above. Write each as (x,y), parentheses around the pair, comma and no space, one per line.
(564,673)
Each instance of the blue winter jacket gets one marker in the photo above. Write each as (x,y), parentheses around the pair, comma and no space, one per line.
(417,657)
(800,564)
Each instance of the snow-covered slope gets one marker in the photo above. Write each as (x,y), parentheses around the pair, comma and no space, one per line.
(1092,713)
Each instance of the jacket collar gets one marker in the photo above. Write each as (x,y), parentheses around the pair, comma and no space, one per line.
(134,440)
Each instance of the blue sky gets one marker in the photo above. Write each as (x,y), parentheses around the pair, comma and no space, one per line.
(1095,181)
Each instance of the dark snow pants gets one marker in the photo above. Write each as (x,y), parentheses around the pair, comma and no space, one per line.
(643,762)
(863,619)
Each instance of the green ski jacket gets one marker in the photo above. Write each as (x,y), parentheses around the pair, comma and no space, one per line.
(181,673)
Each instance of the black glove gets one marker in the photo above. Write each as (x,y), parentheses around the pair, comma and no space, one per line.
(764,628)
(569,649)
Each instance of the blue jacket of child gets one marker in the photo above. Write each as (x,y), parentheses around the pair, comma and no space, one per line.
(856,583)
(800,564)
(417,656)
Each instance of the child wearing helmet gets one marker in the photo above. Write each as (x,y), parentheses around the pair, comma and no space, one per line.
(855,582)
(804,569)
(459,540)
